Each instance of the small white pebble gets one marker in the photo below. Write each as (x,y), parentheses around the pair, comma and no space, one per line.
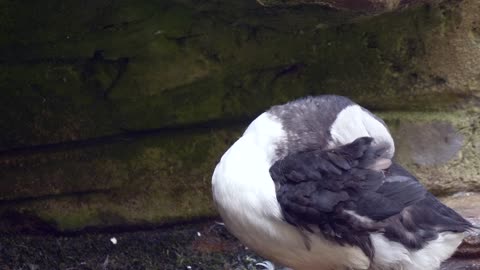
(189,267)
(199,234)
(113,240)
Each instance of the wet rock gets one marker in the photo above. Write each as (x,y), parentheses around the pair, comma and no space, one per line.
(441,149)
(468,254)
(430,143)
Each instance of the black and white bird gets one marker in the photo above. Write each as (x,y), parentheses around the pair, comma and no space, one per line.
(311,185)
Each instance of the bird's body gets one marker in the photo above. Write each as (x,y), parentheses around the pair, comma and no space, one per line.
(311,185)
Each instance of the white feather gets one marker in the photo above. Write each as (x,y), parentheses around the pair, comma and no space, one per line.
(394,256)
(353,122)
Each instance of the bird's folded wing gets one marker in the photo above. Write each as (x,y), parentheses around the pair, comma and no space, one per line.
(343,192)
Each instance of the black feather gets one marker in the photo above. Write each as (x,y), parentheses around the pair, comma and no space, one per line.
(323,188)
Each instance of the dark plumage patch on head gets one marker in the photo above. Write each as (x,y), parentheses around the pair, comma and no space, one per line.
(307,121)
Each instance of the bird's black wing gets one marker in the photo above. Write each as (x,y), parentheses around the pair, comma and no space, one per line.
(346,193)
(423,221)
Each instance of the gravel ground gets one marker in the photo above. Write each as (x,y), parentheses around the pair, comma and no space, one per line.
(203,245)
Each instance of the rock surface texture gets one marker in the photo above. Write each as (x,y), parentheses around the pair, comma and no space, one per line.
(114,114)
(364,6)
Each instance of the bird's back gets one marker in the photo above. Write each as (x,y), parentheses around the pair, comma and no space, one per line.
(246,192)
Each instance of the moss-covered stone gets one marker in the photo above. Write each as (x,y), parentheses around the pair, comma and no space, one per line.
(154,180)
(441,149)
(92,90)
(82,70)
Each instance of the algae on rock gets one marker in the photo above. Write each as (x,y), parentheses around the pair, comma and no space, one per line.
(99,97)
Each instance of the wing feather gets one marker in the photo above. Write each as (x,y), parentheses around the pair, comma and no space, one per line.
(347,194)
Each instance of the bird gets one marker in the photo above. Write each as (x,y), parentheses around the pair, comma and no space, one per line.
(312,184)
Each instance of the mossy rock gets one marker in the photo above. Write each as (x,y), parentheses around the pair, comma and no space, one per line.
(100,99)
(441,149)
(96,68)
(146,181)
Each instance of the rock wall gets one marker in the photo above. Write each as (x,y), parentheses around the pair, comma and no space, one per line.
(115,113)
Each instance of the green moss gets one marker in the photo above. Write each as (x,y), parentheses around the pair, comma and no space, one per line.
(142,64)
(127,182)
(48,102)
(190,103)
(71,71)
